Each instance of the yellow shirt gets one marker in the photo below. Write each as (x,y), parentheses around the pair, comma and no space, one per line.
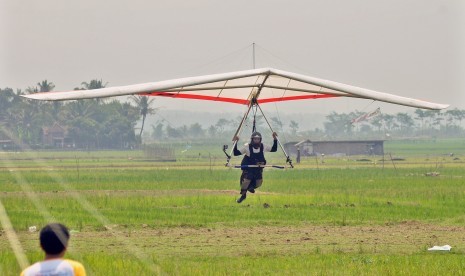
(62,267)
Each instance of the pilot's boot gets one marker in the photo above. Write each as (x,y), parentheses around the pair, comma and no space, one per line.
(243,196)
(251,187)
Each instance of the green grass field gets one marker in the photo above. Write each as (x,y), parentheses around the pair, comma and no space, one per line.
(131,216)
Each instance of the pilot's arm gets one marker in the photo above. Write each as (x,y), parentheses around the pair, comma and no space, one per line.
(236,152)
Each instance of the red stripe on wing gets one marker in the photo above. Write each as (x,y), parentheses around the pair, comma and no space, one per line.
(196,97)
(233,100)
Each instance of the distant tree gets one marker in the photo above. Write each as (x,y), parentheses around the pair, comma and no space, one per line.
(115,132)
(421,115)
(10,113)
(221,124)
(157,131)
(276,122)
(172,132)
(455,115)
(7,97)
(93,84)
(196,130)
(117,124)
(388,120)
(294,126)
(405,121)
(377,122)
(81,108)
(212,131)
(431,117)
(144,105)
(438,119)
(338,124)
(82,122)
(53,109)
(83,131)
(32,90)
(183,130)
(45,86)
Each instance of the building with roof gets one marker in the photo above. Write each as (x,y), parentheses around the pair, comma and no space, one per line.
(343,147)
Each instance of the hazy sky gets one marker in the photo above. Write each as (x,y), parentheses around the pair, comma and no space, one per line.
(413,48)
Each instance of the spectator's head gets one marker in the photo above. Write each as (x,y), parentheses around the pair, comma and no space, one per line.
(54,238)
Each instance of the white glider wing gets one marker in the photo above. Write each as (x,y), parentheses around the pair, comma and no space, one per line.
(265,84)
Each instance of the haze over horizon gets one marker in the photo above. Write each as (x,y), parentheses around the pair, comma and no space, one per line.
(410,48)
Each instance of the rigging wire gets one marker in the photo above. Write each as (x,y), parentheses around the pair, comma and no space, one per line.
(363,111)
(288,159)
(279,117)
(280,123)
(368,105)
(240,52)
(279,58)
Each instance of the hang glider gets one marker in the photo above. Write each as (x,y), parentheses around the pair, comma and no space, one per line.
(250,87)
(242,87)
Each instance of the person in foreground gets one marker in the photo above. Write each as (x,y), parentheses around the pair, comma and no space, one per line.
(254,157)
(54,241)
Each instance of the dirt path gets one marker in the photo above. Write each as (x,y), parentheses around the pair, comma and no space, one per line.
(404,238)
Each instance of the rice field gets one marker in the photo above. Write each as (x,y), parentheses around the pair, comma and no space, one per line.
(360,215)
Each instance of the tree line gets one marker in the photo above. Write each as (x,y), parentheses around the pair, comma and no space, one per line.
(421,123)
(221,129)
(431,123)
(110,123)
(89,124)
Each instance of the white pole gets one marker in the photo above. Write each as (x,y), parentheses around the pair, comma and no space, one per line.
(253,54)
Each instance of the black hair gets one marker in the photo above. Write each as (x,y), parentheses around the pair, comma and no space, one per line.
(54,238)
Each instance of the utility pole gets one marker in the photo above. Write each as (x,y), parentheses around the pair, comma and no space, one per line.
(253,54)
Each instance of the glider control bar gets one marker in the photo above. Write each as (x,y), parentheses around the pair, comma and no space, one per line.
(258,166)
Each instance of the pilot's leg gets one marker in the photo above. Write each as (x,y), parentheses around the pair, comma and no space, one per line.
(244,185)
(259,179)
(258,183)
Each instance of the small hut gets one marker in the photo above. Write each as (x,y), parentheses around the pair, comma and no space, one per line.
(6,144)
(346,147)
(305,147)
(349,147)
(55,136)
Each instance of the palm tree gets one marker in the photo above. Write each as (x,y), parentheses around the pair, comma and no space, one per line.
(45,86)
(294,126)
(94,84)
(32,89)
(82,124)
(143,103)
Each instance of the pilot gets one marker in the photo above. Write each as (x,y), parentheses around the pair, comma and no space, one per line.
(252,177)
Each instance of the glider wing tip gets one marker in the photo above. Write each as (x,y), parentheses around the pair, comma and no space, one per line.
(442,106)
(35,97)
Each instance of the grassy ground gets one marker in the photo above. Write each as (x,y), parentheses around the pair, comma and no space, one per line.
(340,217)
